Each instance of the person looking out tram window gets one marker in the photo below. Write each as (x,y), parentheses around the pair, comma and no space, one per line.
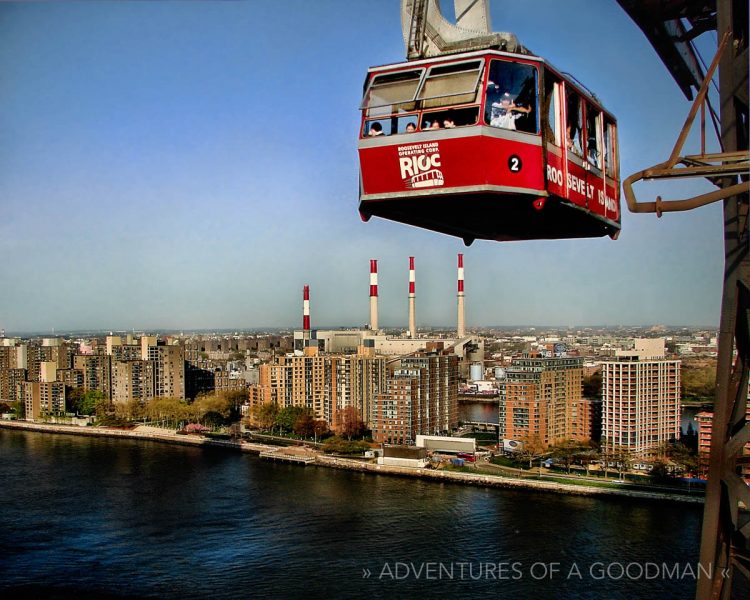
(505,112)
(411,128)
(376,129)
(573,125)
(573,137)
(493,95)
(511,96)
(593,118)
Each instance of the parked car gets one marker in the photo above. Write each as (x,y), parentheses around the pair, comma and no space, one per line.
(467,457)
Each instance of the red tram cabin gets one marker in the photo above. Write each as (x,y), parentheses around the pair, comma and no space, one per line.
(488,145)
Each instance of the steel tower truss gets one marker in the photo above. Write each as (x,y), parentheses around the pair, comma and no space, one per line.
(726,519)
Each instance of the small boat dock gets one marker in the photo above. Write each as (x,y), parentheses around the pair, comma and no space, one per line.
(295,455)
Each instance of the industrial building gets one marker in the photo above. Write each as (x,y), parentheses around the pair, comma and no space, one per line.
(469,349)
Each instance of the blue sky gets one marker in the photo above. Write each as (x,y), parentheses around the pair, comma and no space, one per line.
(193,164)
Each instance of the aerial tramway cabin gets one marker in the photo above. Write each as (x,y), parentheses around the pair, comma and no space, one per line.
(488,145)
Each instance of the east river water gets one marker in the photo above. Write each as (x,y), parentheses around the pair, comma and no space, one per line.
(94,517)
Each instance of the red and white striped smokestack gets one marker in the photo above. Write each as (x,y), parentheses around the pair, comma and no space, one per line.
(412,309)
(373,294)
(306,312)
(461,329)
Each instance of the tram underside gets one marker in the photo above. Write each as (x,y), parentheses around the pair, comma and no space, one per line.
(487,216)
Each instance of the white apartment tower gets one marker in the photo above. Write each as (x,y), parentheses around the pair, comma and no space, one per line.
(640,398)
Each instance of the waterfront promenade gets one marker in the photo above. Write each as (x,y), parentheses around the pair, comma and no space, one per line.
(308,456)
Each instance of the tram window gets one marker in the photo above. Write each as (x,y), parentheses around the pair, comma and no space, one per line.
(455,117)
(392,92)
(390,125)
(407,124)
(593,139)
(573,125)
(377,127)
(552,109)
(511,100)
(455,83)
(610,142)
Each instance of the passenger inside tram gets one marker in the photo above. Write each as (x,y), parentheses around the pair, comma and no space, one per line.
(453,117)
(592,154)
(493,95)
(505,112)
(511,96)
(592,136)
(573,126)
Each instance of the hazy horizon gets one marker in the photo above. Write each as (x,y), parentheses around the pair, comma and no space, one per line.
(250,330)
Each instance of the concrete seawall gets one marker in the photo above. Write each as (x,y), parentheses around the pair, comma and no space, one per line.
(477,479)
(152,434)
(502,482)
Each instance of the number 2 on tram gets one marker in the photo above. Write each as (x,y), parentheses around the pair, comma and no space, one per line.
(488,145)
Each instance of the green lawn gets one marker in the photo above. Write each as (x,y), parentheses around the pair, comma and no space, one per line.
(504,461)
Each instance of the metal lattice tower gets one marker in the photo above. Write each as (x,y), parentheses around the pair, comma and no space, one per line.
(670,26)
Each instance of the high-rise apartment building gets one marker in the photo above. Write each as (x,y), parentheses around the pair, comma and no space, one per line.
(111,342)
(586,419)
(97,372)
(71,377)
(48,371)
(33,360)
(397,409)
(5,354)
(326,384)
(43,398)
(57,351)
(168,369)
(640,399)
(439,412)
(541,400)
(420,398)
(126,352)
(358,379)
(132,380)
(705,421)
(10,384)
(32,355)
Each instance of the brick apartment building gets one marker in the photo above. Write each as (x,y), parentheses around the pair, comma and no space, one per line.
(420,397)
(541,399)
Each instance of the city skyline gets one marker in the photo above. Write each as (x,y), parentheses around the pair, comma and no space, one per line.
(177,166)
(544,329)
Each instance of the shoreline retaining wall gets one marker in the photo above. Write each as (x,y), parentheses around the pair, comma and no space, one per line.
(476,479)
